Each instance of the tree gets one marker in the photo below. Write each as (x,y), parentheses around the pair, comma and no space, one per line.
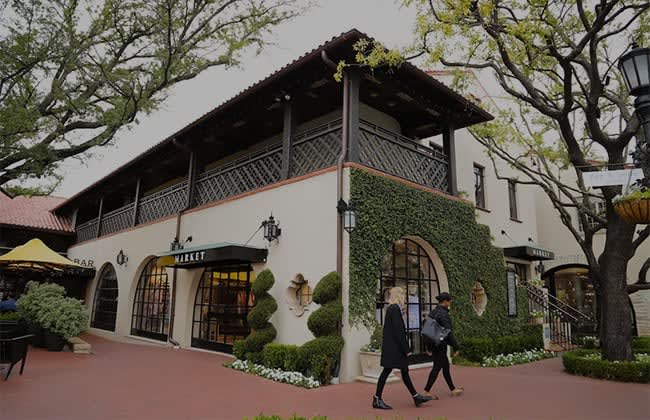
(72,73)
(554,59)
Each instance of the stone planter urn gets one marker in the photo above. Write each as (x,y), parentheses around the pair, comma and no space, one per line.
(537,320)
(371,367)
(634,211)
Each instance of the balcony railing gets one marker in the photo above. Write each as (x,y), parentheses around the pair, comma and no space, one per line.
(311,150)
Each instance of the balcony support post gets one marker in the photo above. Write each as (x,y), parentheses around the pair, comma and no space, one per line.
(136,202)
(354,81)
(98,231)
(449,146)
(288,127)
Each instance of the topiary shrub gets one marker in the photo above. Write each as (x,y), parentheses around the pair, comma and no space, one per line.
(262,331)
(589,363)
(319,357)
(275,355)
(292,358)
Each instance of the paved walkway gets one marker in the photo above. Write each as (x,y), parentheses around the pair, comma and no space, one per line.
(130,381)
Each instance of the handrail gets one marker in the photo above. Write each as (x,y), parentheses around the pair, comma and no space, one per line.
(244,160)
(402,140)
(167,190)
(123,209)
(88,223)
(566,308)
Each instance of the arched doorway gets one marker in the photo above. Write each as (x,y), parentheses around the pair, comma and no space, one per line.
(408,264)
(572,285)
(105,303)
(151,303)
(223,300)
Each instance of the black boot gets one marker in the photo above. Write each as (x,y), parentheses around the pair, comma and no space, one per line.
(380,404)
(420,399)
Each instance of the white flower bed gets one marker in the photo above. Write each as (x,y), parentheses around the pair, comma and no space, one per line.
(278,375)
(515,358)
(641,357)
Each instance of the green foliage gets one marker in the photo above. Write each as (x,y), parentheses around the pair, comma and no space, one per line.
(10,316)
(327,289)
(325,320)
(35,298)
(475,349)
(280,356)
(529,338)
(64,316)
(318,357)
(641,345)
(74,72)
(262,331)
(589,363)
(634,196)
(387,211)
(376,340)
(508,344)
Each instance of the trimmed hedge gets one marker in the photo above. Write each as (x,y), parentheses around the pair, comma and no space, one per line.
(530,338)
(579,362)
(318,357)
(641,345)
(281,356)
(262,331)
(326,319)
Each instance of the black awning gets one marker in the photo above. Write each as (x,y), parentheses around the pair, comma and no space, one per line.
(529,253)
(207,255)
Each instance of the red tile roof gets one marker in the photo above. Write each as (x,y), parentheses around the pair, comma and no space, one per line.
(33,212)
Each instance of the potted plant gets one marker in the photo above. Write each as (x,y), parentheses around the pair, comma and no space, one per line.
(370,355)
(62,318)
(537,317)
(31,303)
(634,207)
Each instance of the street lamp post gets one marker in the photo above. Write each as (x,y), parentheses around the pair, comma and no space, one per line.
(635,67)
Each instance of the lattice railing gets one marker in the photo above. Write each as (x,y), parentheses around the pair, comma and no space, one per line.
(87,231)
(400,156)
(117,220)
(163,203)
(250,172)
(316,149)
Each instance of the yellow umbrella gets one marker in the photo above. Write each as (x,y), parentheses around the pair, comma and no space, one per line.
(35,255)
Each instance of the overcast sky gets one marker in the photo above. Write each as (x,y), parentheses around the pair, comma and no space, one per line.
(382,19)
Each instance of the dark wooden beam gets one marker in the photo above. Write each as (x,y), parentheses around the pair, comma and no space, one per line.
(73,221)
(136,202)
(288,128)
(354,81)
(449,147)
(99,217)
(191,180)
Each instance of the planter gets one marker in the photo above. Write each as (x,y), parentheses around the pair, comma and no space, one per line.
(53,341)
(537,320)
(38,339)
(634,211)
(370,364)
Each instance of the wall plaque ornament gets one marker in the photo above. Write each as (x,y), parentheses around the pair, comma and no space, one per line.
(299,295)
(479,299)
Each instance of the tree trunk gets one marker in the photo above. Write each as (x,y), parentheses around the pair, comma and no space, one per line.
(615,326)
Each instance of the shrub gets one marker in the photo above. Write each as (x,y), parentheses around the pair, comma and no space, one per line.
(10,316)
(275,355)
(325,320)
(262,331)
(507,345)
(641,344)
(376,340)
(317,357)
(327,289)
(292,358)
(588,363)
(64,316)
(35,296)
(475,349)
(535,331)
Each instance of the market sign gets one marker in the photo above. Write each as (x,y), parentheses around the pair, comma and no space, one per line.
(208,255)
(609,178)
(530,253)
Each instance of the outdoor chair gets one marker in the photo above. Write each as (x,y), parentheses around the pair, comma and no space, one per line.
(14,350)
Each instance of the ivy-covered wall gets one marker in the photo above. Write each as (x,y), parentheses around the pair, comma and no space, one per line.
(388,210)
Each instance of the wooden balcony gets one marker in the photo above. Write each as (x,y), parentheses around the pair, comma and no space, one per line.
(311,151)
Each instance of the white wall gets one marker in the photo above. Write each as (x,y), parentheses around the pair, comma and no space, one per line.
(306,211)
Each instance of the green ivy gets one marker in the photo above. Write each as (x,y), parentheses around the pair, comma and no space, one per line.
(388,210)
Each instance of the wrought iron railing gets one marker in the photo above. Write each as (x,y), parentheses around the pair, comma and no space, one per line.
(87,230)
(117,220)
(401,156)
(558,320)
(311,150)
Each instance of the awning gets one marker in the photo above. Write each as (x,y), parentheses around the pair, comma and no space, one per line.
(530,253)
(206,255)
(35,255)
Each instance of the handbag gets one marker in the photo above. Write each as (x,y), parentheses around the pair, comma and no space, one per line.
(434,331)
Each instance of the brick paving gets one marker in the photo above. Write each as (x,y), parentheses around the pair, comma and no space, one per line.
(133,381)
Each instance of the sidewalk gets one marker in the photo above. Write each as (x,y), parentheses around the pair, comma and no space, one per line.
(131,381)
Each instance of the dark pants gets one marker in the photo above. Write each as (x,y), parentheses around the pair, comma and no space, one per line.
(405,378)
(440,362)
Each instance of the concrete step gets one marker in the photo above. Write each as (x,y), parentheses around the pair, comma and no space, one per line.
(77,345)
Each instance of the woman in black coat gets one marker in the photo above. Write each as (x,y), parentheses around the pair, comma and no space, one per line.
(439,353)
(395,350)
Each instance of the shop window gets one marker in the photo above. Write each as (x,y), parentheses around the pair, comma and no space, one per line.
(223,300)
(299,295)
(407,265)
(479,186)
(105,304)
(151,304)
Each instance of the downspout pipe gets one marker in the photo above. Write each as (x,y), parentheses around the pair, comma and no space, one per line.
(340,161)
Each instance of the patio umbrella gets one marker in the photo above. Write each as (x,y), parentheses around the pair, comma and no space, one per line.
(35,255)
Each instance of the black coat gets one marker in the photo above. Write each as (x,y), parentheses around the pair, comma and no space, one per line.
(394,347)
(441,315)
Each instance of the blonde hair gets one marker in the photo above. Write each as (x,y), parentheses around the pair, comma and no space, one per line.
(396,296)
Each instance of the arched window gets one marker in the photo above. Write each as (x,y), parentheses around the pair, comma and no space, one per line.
(151,304)
(409,266)
(105,305)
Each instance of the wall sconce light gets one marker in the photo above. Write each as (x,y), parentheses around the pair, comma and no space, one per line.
(539,268)
(176,244)
(349,214)
(271,229)
(121,258)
